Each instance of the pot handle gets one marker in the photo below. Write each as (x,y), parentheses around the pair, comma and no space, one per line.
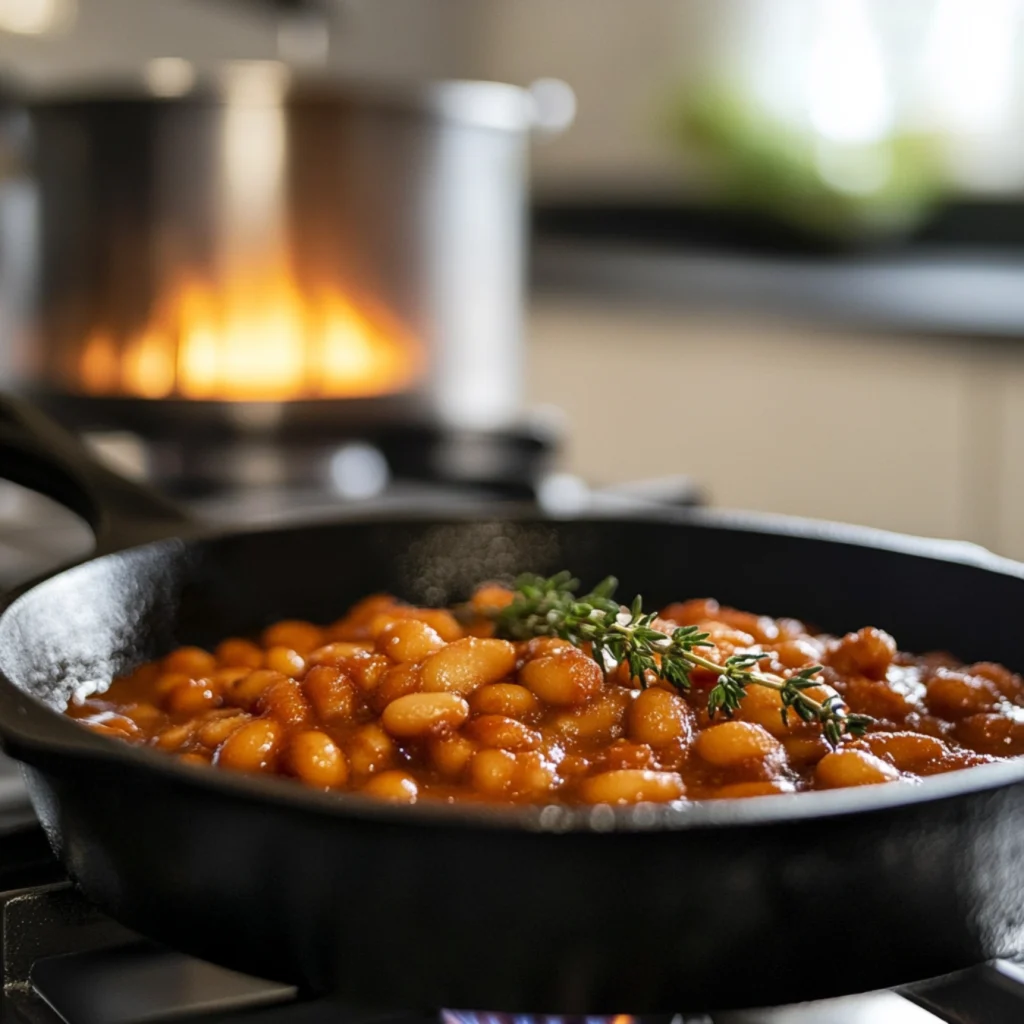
(37,453)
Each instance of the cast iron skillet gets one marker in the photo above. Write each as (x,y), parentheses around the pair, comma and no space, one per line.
(649,909)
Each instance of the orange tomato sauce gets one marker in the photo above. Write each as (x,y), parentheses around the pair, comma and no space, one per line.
(406,704)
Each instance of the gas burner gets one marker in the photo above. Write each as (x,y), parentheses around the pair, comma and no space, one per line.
(65,963)
(350,449)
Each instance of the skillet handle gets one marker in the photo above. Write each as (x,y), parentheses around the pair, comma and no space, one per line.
(37,453)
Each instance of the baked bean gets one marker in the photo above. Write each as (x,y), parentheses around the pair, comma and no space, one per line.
(491,597)
(763,706)
(353,627)
(294,634)
(805,749)
(331,692)
(871,697)
(252,748)
(689,613)
(225,679)
(623,676)
(482,629)
(672,757)
(492,771)
(442,622)
(286,702)
(337,653)
(408,640)
(760,627)
(215,731)
(631,786)
(907,751)
(565,678)
(450,754)
(629,755)
(573,765)
(466,664)
(175,736)
(868,652)
(191,661)
(658,717)
(956,760)
(541,646)
(798,653)
(398,787)
(370,749)
(112,724)
(726,638)
(102,730)
(1008,683)
(237,653)
(439,619)
(600,720)
(404,702)
(399,681)
(194,696)
(732,743)
(367,670)
(424,714)
(853,768)
(992,734)
(380,622)
(143,715)
(316,759)
(504,732)
(286,661)
(508,699)
(954,694)
(534,775)
(247,690)
(167,682)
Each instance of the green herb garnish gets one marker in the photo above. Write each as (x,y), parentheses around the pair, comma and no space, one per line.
(551,607)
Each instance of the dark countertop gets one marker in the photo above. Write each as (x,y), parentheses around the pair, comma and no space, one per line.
(955,279)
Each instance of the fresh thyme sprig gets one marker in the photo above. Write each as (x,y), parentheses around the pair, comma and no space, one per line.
(551,607)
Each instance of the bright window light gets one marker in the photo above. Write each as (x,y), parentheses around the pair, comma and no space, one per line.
(846,88)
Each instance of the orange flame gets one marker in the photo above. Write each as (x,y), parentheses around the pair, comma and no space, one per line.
(263,339)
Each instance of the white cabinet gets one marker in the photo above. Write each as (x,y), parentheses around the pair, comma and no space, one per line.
(913,434)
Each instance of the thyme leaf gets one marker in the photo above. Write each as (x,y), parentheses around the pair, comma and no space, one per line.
(550,606)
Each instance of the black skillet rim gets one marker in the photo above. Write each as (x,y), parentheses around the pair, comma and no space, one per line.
(73,741)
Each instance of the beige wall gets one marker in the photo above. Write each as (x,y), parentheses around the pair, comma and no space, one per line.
(915,435)
(624,59)
(375,38)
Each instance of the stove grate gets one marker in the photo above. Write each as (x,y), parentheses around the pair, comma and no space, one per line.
(65,963)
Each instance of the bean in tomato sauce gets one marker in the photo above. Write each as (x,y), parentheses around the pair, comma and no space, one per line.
(405,704)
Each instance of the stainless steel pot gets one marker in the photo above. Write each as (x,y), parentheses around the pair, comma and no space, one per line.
(410,197)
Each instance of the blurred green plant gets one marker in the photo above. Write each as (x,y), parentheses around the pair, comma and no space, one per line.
(854,192)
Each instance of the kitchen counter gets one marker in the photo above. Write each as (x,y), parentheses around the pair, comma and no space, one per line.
(962,275)
(941,293)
